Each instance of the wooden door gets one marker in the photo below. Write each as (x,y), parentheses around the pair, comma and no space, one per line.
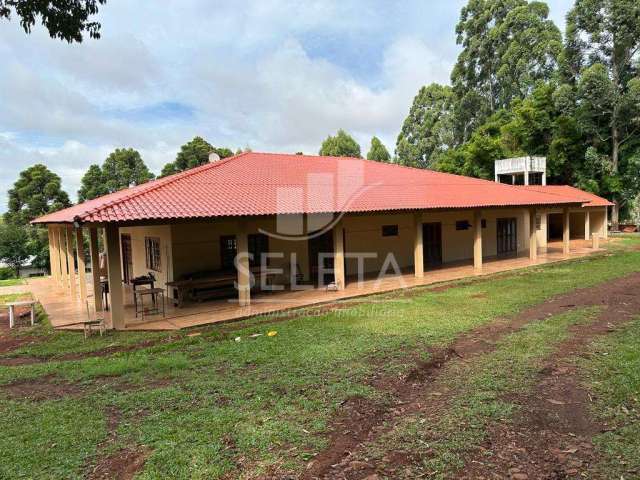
(432,240)
(321,244)
(507,236)
(127,257)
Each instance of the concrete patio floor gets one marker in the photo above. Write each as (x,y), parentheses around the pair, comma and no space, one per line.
(63,311)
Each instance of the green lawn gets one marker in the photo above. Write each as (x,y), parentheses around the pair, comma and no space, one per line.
(9,282)
(208,406)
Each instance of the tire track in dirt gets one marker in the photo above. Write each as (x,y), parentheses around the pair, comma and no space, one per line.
(552,439)
(361,421)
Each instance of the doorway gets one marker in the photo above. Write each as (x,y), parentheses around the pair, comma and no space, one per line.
(432,239)
(127,257)
(507,236)
(321,257)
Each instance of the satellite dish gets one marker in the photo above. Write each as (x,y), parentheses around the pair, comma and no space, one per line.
(213,157)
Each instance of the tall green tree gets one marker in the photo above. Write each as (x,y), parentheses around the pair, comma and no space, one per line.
(193,154)
(340,145)
(37,191)
(604,41)
(64,19)
(427,131)
(14,246)
(124,168)
(92,184)
(378,151)
(507,46)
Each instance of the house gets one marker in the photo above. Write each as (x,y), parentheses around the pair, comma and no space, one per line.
(28,268)
(261,222)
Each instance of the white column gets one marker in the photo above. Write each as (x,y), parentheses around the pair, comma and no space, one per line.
(587,225)
(533,236)
(338,255)
(73,288)
(95,267)
(114,265)
(605,223)
(418,246)
(566,234)
(82,274)
(477,239)
(242,265)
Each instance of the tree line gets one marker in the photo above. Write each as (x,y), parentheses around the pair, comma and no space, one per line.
(520,88)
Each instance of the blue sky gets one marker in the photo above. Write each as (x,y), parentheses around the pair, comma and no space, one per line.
(273,75)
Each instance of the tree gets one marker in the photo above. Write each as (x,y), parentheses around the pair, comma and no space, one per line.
(92,184)
(64,19)
(340,145)
(37,192)
(507,46)
(193,154)
(604,36)
(378,151)
(124,168)
(14,245)
(428,130)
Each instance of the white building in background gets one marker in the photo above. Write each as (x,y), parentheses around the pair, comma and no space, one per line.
(28,269)
(522,171)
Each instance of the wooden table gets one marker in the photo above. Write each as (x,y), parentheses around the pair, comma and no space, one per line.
(12,311)
(210,286)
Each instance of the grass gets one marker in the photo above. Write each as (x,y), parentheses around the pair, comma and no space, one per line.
(480,388)
(613,373)
(10,282)
(208,406)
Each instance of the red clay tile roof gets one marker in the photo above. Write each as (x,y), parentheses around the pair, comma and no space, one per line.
(266,184)
(589,199)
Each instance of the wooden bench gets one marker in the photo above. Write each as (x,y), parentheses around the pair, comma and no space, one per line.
(12,311)
(207,285)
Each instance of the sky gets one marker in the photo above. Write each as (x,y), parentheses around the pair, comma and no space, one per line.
(272,75)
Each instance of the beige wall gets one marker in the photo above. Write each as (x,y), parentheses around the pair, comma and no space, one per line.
(196,246)
(138,234)
(458,244)
(363,234)
(598,221)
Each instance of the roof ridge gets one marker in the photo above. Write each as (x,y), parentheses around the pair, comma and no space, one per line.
(158,183)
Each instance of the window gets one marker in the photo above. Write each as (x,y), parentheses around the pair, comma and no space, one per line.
(390,230)
(152,253)
(535,178)
(463,225)
(258,244)
(538,222)
(228,249)
(483,223)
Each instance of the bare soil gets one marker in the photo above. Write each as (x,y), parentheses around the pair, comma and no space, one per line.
(122,464)
(42,388)
(556,411)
